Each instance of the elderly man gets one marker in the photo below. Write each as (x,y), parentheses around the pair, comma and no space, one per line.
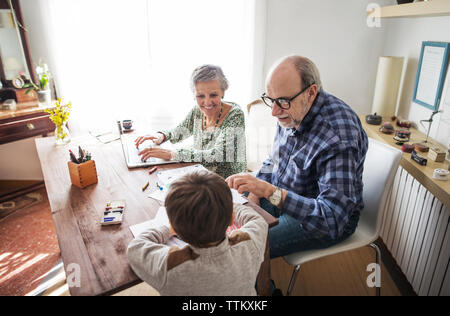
(312,180)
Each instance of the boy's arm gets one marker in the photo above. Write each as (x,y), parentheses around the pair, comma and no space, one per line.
(147,255)
(253,224)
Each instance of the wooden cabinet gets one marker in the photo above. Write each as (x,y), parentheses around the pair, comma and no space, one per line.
(24,123)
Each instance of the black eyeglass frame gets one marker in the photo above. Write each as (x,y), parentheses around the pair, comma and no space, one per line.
(277,100)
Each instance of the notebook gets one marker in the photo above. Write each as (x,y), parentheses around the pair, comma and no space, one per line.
(131,153)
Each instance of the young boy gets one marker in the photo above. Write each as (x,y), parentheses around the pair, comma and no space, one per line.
(200,208)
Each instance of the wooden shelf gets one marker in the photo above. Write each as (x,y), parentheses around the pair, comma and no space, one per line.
(423,174)
(416,9)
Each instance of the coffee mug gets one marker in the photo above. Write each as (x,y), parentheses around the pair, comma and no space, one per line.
(127,124)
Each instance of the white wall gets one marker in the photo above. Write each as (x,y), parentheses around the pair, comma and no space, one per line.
(335,36)
(19,161)
(404,38)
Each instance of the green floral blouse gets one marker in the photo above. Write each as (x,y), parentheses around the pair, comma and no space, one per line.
(222,150)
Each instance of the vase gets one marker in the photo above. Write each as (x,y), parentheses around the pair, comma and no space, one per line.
(44,97)
(62,134)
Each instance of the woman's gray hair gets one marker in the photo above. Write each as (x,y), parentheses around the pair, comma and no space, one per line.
(207,73)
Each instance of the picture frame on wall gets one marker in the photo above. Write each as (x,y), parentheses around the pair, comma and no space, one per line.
(431,72)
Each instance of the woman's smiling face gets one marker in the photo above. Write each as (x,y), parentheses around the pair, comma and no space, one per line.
(208,95)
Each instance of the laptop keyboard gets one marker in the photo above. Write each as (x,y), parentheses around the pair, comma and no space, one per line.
(133,155)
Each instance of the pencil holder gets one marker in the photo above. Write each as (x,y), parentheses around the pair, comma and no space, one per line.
(83,174)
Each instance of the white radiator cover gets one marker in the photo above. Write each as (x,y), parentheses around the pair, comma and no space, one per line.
(416,231)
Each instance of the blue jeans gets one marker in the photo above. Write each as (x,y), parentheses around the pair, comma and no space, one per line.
(289,235)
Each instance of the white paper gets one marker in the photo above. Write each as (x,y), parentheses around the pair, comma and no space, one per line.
(107,138)
(160,196)
(160,219)
(238,198)
(430,72)
(168,176)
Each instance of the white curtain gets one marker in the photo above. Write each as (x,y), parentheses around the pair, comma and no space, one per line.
(133,59)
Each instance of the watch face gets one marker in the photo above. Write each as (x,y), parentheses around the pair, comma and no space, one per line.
(275,198)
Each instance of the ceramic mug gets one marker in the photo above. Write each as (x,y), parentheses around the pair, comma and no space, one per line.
(127,124)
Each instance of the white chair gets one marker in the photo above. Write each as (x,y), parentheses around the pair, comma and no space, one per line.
(380,167)
(260,129)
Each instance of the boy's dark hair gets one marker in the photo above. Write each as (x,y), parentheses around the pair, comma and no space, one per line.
(199,206)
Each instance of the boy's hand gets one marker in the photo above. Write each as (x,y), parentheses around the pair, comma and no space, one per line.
(253,198)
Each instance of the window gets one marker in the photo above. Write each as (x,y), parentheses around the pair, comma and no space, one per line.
(133,59)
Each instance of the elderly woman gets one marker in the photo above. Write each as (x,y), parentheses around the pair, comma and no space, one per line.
(217,126)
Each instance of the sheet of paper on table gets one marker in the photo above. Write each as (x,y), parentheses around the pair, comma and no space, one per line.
(160,219)
(168,176)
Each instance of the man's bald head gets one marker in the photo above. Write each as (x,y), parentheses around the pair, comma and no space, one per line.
(305,69)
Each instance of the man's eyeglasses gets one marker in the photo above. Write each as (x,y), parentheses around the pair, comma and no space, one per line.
(284,103)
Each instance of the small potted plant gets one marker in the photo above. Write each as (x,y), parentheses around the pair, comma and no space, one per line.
(42,86)
(59,116)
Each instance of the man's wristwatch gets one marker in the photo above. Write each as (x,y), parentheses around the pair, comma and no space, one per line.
(275,198)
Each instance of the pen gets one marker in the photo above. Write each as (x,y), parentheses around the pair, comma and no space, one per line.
(72,157)
(159,187)
(153,170)
(145,186)
(81,154)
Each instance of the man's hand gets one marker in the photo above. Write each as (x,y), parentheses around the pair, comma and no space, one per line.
(258,188)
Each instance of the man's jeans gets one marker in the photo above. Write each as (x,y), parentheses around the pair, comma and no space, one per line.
(289,236)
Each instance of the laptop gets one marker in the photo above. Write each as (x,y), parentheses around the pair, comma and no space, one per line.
(131,153)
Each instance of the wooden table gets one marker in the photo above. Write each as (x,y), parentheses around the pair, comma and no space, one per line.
(423,174)
(100,251)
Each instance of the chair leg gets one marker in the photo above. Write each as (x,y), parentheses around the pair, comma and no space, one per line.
(292,282)
(378,260)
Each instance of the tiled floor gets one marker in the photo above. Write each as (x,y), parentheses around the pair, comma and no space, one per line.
(28,244)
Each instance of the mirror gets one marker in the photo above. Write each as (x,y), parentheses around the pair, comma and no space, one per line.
(14,53)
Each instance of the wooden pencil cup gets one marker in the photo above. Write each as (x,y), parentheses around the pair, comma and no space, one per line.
(83,174)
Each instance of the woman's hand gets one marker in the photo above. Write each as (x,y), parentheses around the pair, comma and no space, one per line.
(156,139)
(157,152)
(244,182)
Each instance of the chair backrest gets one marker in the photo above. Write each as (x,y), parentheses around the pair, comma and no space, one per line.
(260,129)
(380,167)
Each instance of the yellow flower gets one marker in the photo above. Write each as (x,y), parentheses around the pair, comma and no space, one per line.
(60,113)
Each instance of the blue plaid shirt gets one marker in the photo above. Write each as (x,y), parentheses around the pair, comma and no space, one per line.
(320,164)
